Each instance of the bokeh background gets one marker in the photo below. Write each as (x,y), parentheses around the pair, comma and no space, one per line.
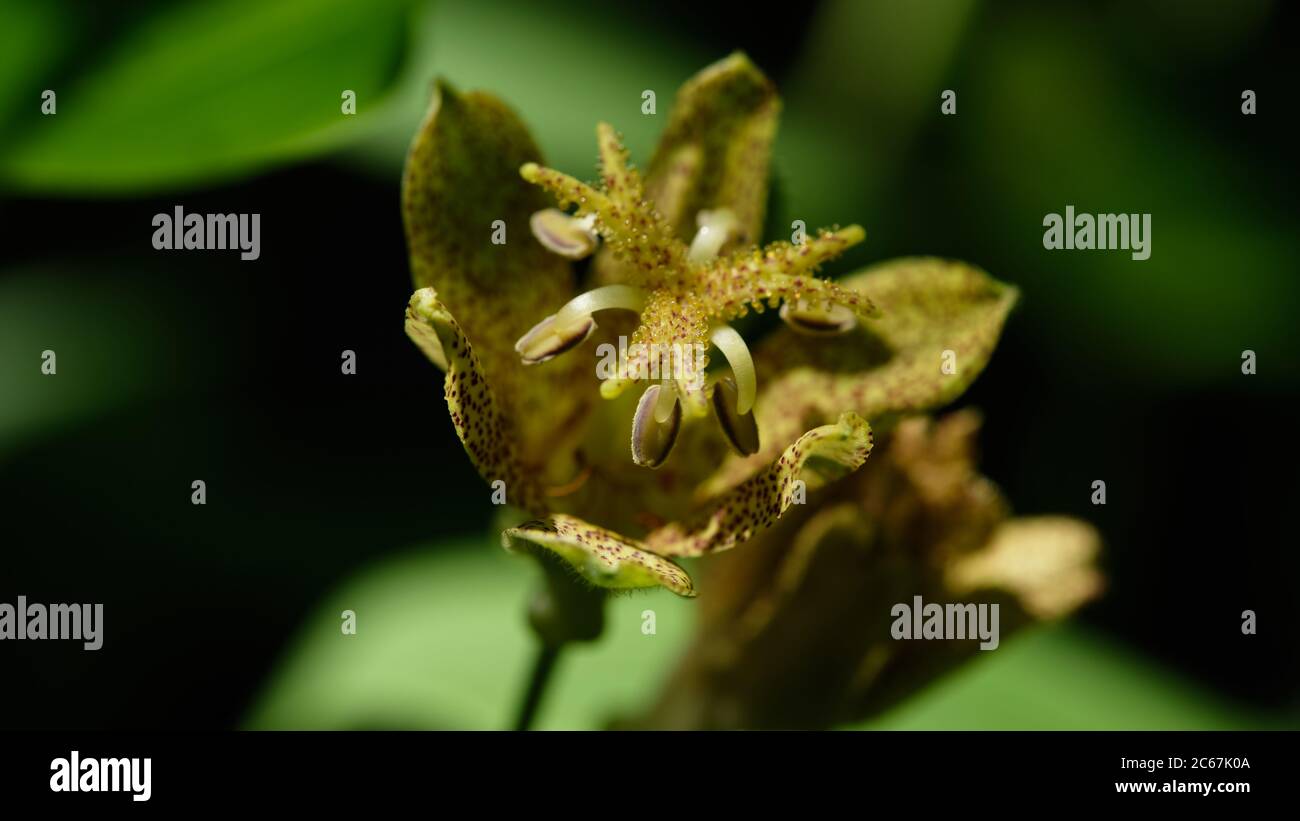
(329,492)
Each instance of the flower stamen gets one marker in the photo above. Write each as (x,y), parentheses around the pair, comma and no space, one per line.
(559,233)
(716,228)
(666,401)
(572,324)
(652,440)
(820,319)
(739,429)
(733,347)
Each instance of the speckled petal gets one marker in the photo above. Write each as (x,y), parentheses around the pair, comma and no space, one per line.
(600,556)
(471,402)
(715,150)
(890,365)
(819,456)
(461,177)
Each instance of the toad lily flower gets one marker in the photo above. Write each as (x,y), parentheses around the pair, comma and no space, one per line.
(674,261)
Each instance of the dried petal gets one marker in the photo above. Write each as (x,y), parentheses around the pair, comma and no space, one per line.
(1047,562)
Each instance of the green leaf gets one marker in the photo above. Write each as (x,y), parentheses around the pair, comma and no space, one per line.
(31,41)
(1067,678)
(115,337)
(443,641)
(209,90)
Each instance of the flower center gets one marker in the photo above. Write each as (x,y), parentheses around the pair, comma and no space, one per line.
(684,297)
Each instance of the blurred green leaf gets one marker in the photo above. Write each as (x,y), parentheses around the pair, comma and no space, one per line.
(114,337)
(561,71)
(207,90)
(1219,277)
(442,642)
(1065,678)
(31,41)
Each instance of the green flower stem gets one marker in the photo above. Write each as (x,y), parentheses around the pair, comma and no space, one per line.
(547,655)
(565,609)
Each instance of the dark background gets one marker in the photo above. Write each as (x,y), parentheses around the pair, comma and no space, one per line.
(230,371)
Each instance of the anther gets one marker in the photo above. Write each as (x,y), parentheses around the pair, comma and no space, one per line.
(571,237)
(818,320)
(652,440)
(739,429)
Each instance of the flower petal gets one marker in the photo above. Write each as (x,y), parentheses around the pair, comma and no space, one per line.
(819,456)
(933,312)
(600,556)
(461,178)
(472,403)
(1046,562)
(715,150)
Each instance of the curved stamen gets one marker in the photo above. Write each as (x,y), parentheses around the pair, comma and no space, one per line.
(715,228)
(733,347)
(604,298)
(571,325)
(666,402)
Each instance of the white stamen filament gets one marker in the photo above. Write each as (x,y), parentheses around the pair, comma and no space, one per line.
(667,398)
(733,347)
(715,228)
(601,299)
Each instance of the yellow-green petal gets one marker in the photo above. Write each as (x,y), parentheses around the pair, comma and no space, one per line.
(819,456)
(600,556)
(715,150)
(473,406)
(467,216)
(935,316)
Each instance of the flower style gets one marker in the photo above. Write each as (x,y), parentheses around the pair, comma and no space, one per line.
(673,263)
